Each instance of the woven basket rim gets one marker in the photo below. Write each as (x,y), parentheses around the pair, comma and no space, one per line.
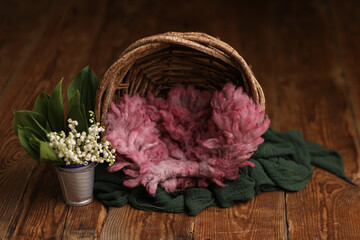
(198,41)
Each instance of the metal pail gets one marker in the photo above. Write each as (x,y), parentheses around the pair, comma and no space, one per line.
(77,183)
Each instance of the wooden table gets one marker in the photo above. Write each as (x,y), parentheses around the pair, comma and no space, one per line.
(306,55)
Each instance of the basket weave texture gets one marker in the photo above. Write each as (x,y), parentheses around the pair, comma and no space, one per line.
(159,62)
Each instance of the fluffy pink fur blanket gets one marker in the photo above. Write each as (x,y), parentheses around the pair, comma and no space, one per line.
(193,137)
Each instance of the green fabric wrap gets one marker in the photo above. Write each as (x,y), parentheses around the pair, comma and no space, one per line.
(283,162)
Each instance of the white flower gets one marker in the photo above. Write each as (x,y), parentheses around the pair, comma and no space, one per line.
(79,148)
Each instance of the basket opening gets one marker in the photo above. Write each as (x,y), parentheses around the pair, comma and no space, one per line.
(172,65)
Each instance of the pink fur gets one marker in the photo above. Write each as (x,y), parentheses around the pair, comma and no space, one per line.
(193,137)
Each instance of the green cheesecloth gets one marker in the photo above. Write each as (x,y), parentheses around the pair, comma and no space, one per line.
(283,162)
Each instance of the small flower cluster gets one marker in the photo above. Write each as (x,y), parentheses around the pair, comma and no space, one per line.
(82,148)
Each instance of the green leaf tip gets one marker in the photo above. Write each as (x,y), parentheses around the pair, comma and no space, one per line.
(56,109)
(86,82)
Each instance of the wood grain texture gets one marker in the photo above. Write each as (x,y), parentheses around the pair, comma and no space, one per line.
(129,223)
(85,222)
(304,54)
(314,101)
(346,34)
(41,213)
(14,46)
(262,217)
(18,34)
(69,40)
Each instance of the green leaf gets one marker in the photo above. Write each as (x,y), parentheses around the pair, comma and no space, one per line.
(86,118)
(86,83)
(41,104)
(77,112)
(24,135)
(56,109)
(47,153)
(33,120)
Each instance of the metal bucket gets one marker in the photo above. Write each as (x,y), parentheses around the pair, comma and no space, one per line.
(77,183)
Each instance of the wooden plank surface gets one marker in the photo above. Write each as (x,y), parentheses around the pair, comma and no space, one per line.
(68,37)
(41,213)
(15,45)
(16,166)
(303,53)
(315,102)
(346,36)
(129,223)
(85,222)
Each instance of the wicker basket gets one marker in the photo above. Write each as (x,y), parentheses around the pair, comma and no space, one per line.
(158,62)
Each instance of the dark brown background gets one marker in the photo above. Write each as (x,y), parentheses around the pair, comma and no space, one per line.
(305,55)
